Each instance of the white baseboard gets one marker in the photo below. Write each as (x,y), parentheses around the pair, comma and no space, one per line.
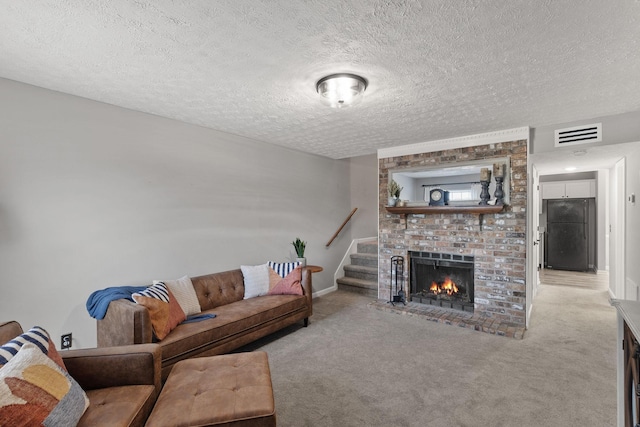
(325,291)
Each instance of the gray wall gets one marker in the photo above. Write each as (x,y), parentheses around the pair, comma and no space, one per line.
(617,129)
(93,195)
(364,196)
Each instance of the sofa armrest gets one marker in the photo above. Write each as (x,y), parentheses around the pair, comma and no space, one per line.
(307,288)
(9,330)
(125,323)
(96,368)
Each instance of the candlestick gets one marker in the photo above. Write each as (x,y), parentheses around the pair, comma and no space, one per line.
(484,194)
(499,193)
(498,170)
(485,174)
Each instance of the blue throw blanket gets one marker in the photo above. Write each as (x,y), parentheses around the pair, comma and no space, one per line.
(199,317)
(98,302)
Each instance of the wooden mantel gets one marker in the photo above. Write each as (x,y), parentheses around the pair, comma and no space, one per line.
(475,209)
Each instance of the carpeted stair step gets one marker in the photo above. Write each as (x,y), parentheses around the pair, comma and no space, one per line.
(366,260)
(361,272)
(364,287)
(368,247)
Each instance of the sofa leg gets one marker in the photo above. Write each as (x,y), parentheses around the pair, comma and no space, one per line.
(306,322)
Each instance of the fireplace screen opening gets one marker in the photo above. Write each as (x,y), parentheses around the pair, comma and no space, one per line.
(442,280)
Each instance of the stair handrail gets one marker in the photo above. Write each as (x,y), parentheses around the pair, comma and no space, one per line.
(341,227)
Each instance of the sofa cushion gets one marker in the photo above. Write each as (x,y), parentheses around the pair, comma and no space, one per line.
(218,289)
(34,390)
(182,290)
(256,280)
(122,405)
(37,336)
(231,321)
(164,310)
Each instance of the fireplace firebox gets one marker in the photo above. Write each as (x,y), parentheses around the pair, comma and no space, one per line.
(442,280)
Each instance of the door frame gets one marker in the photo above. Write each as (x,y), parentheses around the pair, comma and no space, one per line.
(617,227)
(533,242)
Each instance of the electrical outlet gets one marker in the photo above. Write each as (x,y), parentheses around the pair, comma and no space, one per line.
(65,341)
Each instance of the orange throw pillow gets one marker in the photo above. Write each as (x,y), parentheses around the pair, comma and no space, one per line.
(164,310)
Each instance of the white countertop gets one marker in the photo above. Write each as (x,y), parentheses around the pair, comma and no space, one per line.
(630,312)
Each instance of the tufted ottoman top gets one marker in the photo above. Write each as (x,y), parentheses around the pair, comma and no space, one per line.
(226,390)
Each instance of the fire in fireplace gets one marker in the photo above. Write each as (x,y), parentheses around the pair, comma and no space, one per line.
(447,287)
(442,280)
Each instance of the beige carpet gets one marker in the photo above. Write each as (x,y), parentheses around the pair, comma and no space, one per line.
(357,366)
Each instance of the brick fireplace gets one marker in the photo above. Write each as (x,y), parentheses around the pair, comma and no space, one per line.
(495,241)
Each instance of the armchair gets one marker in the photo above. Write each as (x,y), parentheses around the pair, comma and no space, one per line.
(122,382)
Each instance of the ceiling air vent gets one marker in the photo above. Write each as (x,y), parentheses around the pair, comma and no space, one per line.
(578,135)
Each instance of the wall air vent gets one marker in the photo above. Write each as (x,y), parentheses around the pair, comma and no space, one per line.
(578,135)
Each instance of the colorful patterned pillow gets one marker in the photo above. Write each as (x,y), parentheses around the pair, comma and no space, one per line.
(256,280)
(37,336)
(290,285)
(164,310)
(36,391)
(182,289)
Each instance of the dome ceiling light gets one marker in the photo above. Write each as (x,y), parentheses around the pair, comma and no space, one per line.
(341,90)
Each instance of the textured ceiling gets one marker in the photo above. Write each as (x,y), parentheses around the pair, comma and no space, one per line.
(436,69)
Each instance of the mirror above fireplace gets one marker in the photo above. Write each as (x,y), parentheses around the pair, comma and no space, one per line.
(460,179)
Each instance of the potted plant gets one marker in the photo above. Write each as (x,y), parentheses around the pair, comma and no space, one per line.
(394,192)
(299,246)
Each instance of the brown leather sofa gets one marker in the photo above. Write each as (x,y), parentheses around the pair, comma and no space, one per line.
(238,321)
(122,383)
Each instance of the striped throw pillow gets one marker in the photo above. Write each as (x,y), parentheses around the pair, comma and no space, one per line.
(283,268)
(36,336)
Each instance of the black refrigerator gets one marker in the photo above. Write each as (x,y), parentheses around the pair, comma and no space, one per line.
(571,234)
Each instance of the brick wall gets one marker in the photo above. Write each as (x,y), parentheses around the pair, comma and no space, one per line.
(499,247)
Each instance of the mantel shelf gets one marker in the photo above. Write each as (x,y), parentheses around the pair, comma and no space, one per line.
(476,209)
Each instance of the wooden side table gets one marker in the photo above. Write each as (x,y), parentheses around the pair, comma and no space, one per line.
(314,268)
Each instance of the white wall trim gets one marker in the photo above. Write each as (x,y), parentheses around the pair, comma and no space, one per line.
(514,134)
(346,259)
(325,291)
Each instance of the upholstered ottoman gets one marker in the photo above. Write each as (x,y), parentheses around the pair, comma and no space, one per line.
(227,390)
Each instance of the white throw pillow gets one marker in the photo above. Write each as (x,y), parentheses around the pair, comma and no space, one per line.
(256,280)
(182,289)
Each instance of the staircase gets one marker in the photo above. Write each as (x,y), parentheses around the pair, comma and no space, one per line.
(361,275)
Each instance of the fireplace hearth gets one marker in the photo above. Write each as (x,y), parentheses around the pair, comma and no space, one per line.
(442,280)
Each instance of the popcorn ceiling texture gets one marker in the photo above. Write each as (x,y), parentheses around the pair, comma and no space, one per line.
(436,69)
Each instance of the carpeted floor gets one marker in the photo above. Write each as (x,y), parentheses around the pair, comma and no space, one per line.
(357,366)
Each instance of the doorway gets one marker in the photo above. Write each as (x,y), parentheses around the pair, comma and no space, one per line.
(608,162)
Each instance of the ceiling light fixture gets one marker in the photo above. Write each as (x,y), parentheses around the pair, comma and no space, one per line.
(341,90)
(570,168)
